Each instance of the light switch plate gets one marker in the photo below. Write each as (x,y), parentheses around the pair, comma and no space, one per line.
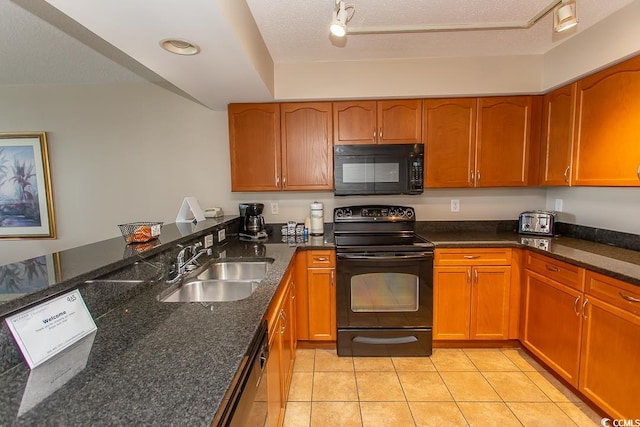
(208,241)
(221,235)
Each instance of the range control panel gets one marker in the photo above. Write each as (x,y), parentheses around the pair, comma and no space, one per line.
(376,213)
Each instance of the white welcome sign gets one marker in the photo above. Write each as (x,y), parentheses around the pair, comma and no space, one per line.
(46,329)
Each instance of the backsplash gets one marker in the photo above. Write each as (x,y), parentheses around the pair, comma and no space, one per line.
(599,235)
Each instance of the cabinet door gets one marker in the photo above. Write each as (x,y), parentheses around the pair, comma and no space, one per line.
(301,296)
(450,140)
(558,123)
(552,324)
(307,146)
(490,303)
(400,121)
(607,151)
(355,122)
(503,141)
(609,363)
(451,303)
(275,404)
(322,304)
(254,145)
(288,340)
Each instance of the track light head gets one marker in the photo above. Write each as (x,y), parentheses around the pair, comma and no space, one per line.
(340,18)
(564,16)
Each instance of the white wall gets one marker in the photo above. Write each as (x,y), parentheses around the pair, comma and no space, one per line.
(601,207)
(118,153)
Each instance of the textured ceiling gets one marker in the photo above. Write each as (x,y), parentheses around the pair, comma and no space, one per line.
(114,41)
(298,30)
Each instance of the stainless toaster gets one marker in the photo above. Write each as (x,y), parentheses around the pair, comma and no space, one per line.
(536,222)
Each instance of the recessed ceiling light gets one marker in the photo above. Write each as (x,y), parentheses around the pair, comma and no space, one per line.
(180,46)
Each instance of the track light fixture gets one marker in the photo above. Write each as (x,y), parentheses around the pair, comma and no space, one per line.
(564,16)
(340,18)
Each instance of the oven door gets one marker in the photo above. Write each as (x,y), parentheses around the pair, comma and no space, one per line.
(384,303)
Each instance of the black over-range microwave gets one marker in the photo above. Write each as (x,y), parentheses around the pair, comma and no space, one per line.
(378,169)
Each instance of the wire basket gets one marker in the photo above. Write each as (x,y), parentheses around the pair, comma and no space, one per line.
(140,232)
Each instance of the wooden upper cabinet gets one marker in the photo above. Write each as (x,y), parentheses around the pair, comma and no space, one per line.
(378,122)
(254,144)
(307,146)
(400,121)
(450,140)
(607,130)
(503,141)
(558,122)
(355,122)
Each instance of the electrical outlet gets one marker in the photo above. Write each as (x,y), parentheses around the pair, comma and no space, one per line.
(221,235)
(274,208)
(208,241)
(455,205)
(558,205)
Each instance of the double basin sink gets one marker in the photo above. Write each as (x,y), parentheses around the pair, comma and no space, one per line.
(220,281)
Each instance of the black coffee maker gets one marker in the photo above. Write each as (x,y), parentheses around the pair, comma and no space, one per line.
(252,221)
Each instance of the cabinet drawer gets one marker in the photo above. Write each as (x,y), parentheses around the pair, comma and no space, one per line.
(616,292)
(488,256)
(321,258)
(559,271)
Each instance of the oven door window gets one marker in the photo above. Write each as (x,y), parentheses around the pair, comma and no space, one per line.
(384,292)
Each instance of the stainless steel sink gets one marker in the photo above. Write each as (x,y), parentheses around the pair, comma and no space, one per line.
(220,282)
(212,291)
(240,270)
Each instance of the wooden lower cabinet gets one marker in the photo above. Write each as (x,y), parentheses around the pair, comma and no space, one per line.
(322,304)
(609,362)
(282,348)
(471,303)
(586,327)
(316,288)
(552,324)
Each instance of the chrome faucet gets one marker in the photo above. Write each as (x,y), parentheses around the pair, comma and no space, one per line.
(183,265)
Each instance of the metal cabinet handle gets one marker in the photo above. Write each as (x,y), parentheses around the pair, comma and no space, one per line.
(473,175)
(321,259)
(374,134)
(277,181)
(469,276)
(333,277)
(628,297)
(477,176)
(284,181)
(475,274)
(638,172)
(584,305)
(380,133)
(575,305)
(283,328)
(471,256)
(566,174)
(552,267)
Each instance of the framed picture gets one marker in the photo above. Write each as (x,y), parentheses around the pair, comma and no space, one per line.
(26,201)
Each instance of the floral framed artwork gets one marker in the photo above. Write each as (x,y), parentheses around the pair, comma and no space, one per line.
(26,201)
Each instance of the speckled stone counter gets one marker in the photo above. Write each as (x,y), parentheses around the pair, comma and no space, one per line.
(152,363)
(623,264)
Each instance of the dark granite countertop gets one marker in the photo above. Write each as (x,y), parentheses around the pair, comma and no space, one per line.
(623,264)
(154,363)
(151,363)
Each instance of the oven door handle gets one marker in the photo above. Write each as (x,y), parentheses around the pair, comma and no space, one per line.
(384,341)
(419,255)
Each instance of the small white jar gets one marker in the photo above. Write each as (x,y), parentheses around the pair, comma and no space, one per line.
(317,219)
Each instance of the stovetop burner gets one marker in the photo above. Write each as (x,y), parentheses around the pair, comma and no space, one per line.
(377,228)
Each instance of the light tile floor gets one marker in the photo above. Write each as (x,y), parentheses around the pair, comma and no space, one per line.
(454,387)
